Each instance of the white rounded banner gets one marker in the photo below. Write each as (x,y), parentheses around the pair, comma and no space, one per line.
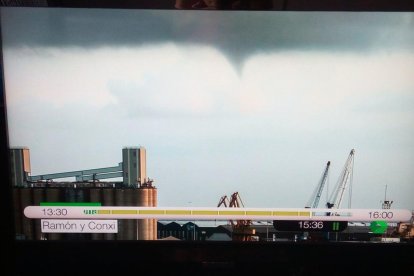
(185,213)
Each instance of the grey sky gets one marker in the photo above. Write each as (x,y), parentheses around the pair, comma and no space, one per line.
(223,101)
(237,37)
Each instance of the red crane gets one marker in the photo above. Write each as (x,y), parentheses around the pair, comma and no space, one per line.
(242,230)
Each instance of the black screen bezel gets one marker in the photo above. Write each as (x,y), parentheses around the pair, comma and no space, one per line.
(113,257)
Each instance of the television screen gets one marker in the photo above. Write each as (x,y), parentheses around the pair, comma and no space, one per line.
(199,126)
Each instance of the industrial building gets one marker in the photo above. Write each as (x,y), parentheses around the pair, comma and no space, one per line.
(135,189)
(264,232)
(190,231)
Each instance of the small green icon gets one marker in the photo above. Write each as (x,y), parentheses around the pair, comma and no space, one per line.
(335,226)
(378,226)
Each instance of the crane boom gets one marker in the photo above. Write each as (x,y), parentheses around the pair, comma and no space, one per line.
(316,196)
(338,193)
(235,201)
(223,201)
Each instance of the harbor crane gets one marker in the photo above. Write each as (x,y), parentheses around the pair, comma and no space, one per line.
(337,195)
(242,230)
(316,196)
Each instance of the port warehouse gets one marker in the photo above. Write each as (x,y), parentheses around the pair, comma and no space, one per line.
(32,190)
(263,232)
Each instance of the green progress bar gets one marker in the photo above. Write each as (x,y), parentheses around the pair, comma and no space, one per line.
(70,204)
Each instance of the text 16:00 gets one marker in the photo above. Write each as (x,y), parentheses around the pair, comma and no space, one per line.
(381,215)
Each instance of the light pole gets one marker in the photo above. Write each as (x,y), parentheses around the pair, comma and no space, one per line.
(267,231)
(194,226)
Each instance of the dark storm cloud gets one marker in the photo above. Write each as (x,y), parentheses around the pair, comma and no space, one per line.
(236,34)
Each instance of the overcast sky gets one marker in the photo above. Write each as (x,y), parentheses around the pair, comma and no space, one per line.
(254,102)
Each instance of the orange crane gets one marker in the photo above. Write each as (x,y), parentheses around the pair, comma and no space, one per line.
(242,230)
